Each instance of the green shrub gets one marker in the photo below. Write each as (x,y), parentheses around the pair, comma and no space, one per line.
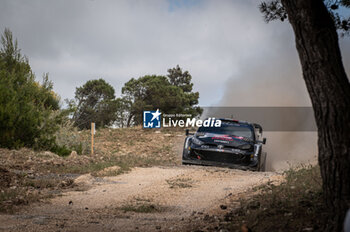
(68,136)
(27,108)
(61,150)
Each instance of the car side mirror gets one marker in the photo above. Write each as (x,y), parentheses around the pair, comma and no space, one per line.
(264,141)
(258,127)
(188,132)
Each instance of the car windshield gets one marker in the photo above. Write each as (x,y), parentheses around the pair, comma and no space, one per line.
(234,129)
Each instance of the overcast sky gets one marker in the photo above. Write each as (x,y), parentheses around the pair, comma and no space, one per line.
(221,43)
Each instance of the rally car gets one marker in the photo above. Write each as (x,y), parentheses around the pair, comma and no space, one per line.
(234,144)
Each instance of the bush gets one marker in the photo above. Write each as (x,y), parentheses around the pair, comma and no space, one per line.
(61,150)
(68,138)
(27,108)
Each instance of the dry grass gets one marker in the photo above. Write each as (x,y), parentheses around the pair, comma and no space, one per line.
(180,183)
(136,141)
(141,205)
(295,205)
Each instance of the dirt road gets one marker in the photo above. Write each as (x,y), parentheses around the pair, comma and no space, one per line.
(145,199)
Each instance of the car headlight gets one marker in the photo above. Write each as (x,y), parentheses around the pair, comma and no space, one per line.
(197,141)
(246,147)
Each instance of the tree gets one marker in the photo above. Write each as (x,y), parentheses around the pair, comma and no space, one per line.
(170,94)
(94,102)
(180,79)
(274,10)
(315,29)
(123,113)
(183,80)
(28,109)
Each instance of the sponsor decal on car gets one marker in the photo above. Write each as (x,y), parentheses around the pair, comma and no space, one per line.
(221,141)
(223,137)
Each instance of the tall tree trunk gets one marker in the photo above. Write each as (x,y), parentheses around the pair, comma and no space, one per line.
(128,124)
(329,89)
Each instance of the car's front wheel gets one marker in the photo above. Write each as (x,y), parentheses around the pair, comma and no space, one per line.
(262,162)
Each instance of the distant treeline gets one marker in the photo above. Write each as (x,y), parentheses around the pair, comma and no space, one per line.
(31,113)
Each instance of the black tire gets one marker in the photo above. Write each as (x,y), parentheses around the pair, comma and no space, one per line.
(184,157)
(184,154)
(262,162)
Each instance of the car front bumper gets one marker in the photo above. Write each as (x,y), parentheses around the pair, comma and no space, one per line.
(220,157)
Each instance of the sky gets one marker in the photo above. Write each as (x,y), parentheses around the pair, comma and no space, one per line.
(224,44)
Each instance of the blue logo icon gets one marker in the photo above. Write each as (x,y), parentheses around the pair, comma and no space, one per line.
(151,119)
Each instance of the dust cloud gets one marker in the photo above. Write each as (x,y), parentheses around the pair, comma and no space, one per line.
(290,149)
(275,80)
(272,77)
